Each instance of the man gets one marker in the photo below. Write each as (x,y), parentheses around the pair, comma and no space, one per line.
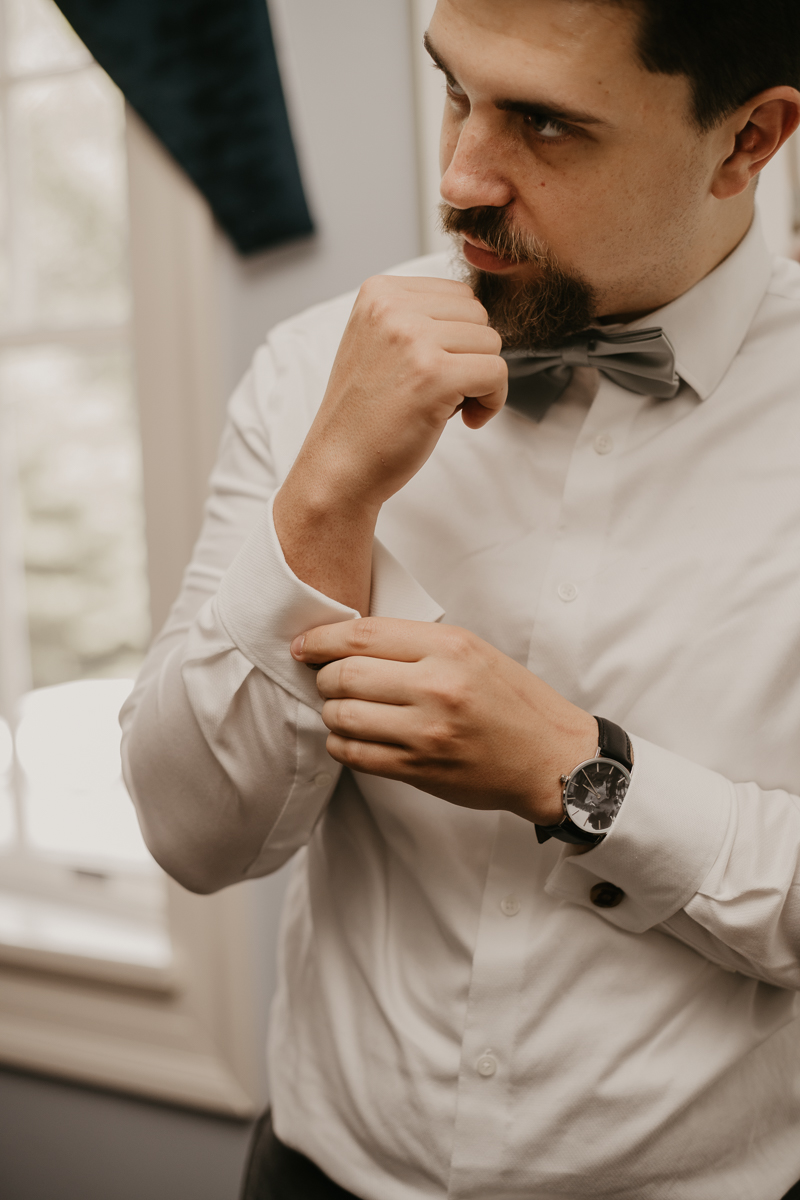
(485,992)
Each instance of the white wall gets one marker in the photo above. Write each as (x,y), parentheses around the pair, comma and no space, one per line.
(347,73)
(775,201)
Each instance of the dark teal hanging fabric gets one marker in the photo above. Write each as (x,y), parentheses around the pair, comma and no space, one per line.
(204,76)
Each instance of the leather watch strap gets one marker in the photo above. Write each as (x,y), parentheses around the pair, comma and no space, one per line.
(614,743)
(566,831)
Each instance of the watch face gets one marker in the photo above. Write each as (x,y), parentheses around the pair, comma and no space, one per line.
(594,792)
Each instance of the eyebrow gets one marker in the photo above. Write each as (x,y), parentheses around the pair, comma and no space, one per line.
(526,108)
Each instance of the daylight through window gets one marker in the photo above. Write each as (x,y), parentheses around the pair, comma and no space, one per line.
(73,583)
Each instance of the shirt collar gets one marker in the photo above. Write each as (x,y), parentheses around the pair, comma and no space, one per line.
(708,324)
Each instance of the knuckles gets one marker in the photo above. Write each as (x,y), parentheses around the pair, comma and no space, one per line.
(436,740)
(345,751)
(343,716)
(348,675)
(361,634)
(457,643)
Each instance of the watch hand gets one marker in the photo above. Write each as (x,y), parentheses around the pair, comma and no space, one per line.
(591,789)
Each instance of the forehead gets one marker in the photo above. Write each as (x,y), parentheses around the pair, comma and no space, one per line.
(586,46)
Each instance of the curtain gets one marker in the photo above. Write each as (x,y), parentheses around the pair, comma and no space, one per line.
(204,76)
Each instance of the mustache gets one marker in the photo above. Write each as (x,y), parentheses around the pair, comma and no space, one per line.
(491,227)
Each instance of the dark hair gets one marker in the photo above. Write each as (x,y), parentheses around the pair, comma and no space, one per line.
(730,50)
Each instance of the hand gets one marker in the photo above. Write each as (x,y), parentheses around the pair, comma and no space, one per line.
(437,707)
(415,351)
(412,351)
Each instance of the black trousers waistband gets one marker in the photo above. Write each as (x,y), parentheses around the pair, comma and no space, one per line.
(274,1172)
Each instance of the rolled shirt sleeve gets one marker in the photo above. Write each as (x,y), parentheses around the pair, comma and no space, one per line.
(223,746)
(710,862)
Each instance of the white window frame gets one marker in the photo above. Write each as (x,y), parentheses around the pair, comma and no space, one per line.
(193,1033)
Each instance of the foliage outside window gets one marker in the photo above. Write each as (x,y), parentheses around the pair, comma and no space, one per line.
(73,571)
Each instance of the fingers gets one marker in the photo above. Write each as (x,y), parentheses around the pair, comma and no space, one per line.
(422,283)
(372,637)
(459,337)
(365,721)
(483,377)
(378,679)
(371,758)
(442,299)
(474,414)
(449,308)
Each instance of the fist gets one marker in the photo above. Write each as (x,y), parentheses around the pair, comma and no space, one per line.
(415,351)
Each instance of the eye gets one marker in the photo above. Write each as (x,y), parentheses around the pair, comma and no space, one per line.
(546,127)
(454,91)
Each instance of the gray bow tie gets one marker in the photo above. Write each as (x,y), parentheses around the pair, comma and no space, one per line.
(642,361)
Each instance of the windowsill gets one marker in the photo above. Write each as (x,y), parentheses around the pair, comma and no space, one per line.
(68,939)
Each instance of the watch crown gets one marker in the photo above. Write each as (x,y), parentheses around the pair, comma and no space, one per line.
(564,778)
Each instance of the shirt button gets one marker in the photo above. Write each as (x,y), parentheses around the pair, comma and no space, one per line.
(604,443)
(323,779)
(487,1065)
(567,591)
(510,906)
(606,895)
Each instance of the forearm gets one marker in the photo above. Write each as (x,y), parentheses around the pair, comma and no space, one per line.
(326,536)
(414,353)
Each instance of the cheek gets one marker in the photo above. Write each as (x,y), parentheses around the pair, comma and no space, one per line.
(448,139)
(595,218)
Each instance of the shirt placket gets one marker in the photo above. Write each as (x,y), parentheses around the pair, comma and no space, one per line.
(507,925)
(563,612)
(486,1082)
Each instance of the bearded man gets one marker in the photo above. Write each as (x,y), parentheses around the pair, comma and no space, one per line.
(543,932)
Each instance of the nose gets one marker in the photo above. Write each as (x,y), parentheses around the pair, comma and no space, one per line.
(472,166)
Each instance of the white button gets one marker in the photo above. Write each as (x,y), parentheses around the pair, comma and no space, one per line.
(323,779)
(604,443)
(510,906)
(487,1065)
(567,591)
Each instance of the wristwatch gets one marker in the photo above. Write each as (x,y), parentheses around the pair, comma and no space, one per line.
(594,791)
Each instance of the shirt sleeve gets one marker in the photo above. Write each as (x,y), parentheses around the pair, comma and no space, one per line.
(223,745)
(712,863)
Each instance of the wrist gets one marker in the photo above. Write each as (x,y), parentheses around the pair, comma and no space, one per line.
(574,743)
(318,494)
(326,539)
(594,790)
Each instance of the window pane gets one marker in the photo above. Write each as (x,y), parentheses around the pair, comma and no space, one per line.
(7,822)
(76,805)
(80,478)
(66,379)
(39,38)
(67,152)
(4,230)
(66,929)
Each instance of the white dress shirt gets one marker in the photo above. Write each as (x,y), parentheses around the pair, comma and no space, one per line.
(455,1017)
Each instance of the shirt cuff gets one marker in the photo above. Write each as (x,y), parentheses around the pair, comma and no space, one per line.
(264,606)
(668,835)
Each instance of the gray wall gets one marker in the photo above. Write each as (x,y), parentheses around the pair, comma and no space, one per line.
(64,1143)
(347,68)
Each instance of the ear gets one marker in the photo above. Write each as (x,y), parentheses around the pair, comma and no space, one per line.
(756,132)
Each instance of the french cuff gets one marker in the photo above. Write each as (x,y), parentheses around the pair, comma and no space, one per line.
(264,606)
(664,842)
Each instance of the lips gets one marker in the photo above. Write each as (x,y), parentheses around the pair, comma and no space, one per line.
(477,256)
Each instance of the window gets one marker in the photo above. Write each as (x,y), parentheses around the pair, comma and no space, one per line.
(109,972)
(72,540)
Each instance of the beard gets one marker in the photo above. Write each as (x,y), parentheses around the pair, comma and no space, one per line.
(529,314)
